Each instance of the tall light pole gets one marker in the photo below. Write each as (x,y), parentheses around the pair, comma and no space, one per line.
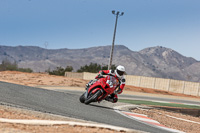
(117,14)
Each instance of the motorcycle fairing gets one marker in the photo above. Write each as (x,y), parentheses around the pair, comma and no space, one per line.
(107,85)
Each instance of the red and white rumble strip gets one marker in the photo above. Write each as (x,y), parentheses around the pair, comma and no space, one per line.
(143,118)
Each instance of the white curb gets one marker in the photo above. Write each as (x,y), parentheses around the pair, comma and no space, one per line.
(52,122)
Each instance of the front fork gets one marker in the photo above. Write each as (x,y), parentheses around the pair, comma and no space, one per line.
(86,93)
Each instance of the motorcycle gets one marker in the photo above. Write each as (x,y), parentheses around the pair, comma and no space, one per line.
(98,91)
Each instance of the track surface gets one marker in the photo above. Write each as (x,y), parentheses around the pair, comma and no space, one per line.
(67,104)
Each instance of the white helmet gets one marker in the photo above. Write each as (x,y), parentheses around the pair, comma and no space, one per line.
(120,70)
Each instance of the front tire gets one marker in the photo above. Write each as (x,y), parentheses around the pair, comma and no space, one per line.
(82,98)
(93,97)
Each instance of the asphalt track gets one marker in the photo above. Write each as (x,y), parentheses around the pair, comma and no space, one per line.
(67,104)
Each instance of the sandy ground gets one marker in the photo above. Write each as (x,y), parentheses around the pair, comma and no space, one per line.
(15,113)
(164,118)
(41,79)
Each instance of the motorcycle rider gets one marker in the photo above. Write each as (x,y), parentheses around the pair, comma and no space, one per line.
(119,74)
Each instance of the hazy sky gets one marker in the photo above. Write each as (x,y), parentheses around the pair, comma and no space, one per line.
(76,24)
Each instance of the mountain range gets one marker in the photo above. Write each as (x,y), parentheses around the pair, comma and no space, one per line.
(156,61)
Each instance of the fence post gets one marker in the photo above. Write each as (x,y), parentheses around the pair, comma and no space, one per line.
(154,84)
(139,81)
(169,85)
(198,90)
(184,87)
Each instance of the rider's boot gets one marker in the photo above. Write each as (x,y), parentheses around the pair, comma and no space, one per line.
(111,98)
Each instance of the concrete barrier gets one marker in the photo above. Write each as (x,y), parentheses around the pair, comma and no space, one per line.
(162,84)
(74,75)
(89,76)
(133,80)
(147,82)
(170,85)
(191,88)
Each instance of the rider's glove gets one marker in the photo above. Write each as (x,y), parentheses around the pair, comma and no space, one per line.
(99,76)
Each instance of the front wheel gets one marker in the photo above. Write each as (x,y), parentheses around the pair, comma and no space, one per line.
(93,97)
(82,98)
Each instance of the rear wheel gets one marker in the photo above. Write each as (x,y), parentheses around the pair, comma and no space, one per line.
(93,97)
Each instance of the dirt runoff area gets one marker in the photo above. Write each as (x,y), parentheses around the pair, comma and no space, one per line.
(22,114)
(184,122)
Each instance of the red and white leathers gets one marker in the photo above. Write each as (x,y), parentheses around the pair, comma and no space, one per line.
(113,97)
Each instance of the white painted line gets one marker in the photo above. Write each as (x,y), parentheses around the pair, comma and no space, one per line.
(183,119)
(172,130)
(146,120)
(124,106)
(176,118)
(52,122)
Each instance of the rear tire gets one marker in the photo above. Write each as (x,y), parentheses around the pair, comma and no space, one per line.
(82,98)
(93,97)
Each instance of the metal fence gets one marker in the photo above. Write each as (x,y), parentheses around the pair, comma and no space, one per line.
(170,85)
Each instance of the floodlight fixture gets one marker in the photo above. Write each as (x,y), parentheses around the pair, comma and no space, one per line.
(113,11)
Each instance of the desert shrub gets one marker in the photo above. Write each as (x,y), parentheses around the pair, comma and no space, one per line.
(94,68)
(6,65)
(25,70)
(60,71)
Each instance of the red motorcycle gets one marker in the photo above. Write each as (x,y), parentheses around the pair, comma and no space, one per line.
(98,91)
